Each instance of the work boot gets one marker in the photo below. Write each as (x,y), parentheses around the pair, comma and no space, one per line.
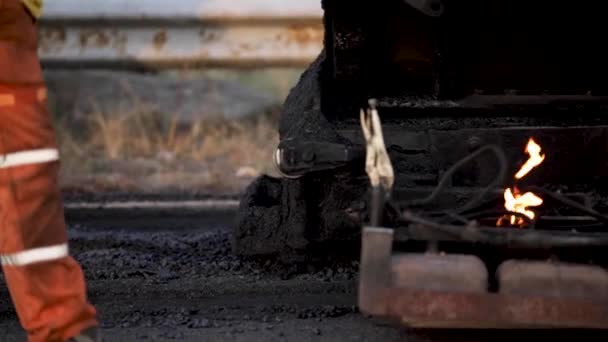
(88,335)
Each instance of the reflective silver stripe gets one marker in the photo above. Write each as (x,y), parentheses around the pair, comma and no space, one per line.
(28,157)
(35,255)
(82,338)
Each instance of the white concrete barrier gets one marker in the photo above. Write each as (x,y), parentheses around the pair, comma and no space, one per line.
(182,33)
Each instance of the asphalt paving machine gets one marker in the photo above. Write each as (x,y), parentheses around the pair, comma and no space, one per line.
(458,149)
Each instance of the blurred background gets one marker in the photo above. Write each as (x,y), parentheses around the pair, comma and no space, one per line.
(152,96)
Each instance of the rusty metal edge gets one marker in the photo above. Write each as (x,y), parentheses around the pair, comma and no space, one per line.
(199,10)
(497,237)
(374,269)
(432,309)
(416,308)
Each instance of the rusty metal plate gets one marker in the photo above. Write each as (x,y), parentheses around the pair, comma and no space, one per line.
(559,280)
(448,308)
(434,309)
(440,272)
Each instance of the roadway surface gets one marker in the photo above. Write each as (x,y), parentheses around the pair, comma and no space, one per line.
(170,275)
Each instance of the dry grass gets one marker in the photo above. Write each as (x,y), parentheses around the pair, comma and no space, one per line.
(142,150)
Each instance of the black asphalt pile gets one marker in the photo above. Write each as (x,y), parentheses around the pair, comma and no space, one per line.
(161,256)
(186,284)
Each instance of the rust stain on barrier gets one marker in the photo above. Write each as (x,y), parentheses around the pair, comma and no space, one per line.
(52,38)
(119,41)
(209,35)
(238,45)
(93,38)
(114,38)
(53,34)
(304,34)
(160,39)
(247,47)
(301,35)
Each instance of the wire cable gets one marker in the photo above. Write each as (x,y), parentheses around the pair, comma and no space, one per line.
(497,182)
(568,202)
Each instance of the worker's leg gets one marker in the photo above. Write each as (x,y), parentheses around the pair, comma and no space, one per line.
(47,285)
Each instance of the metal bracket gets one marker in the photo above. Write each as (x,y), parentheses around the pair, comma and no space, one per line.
(295,159)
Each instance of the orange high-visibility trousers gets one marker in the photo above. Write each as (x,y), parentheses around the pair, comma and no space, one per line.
(46,285)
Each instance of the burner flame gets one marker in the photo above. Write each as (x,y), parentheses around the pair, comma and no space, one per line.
(533,149)
(520,203)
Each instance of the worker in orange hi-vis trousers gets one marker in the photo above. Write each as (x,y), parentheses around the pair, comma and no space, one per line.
(47,286)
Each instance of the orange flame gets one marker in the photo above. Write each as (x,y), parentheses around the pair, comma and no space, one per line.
(533,149)
(516,202)
(519,204)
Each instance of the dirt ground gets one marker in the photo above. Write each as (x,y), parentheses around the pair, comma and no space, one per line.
(174,278)
(181,282)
